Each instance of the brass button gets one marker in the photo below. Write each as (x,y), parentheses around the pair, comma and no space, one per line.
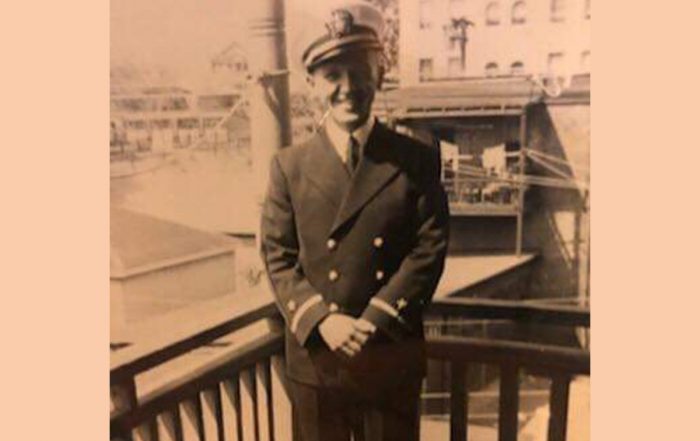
(378,242)
(333,275)
(379,275)
(331,244)
(334,307)
(401,304)
(291,305)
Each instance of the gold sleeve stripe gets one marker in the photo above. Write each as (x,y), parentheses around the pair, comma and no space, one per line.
(311,301)
(384,306)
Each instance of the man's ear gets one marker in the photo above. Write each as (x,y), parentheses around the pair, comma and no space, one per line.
(309,80)
(381,69)
(380,77)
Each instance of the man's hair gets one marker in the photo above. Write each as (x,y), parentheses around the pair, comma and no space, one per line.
(381,59)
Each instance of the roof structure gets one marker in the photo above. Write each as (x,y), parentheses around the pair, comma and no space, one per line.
(578,92)
(468,97)
(142,243)
(232,54)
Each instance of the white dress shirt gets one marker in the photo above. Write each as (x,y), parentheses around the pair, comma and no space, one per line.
(339,137)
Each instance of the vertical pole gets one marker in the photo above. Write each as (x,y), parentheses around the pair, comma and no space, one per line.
(281,402)
(459,397)
(584,263)
(270,127)
(508,403)
(521,187)
(585,250)
(558,408)
(122,397)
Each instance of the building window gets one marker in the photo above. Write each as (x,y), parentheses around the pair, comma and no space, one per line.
(557,10)
(517,68)
(425,68)
(517,15)
(454,67)
(425,14)
(555,63)
(586,61)
(491,69)
(493,13)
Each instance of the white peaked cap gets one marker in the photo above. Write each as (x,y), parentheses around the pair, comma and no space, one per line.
(321,30)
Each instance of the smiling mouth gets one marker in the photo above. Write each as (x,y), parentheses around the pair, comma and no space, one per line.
(348,105)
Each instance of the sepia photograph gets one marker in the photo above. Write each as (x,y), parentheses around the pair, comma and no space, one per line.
(342,220)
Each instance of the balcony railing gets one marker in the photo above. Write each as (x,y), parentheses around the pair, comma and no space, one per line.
(472,190)
(240,393)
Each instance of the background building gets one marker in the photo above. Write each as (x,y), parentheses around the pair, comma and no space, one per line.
(475,38)
(503,88)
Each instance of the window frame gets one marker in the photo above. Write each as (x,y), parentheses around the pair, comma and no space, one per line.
(517,64)
(493,67)
(421,74)
(493,6)
(557,10)
(518,20)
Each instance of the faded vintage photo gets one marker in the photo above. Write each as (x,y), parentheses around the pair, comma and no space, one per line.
(347,220)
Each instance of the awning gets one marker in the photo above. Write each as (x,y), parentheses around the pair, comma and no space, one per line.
(473,97)
(578,92)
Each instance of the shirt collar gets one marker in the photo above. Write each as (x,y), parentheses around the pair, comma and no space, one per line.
(339,137)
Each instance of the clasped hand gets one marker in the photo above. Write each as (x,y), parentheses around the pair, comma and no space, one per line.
(345,334)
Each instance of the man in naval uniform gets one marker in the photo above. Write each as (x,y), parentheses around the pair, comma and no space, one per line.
(354,235)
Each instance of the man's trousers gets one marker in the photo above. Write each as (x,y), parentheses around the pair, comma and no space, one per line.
(334,414)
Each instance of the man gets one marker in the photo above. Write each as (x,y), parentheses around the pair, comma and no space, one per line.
(354,236)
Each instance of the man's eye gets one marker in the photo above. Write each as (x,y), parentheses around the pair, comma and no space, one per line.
(332,76)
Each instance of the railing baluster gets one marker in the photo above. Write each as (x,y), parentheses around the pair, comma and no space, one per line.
(508,404)
(123,396)
(231,410)
(558,408)
(264,394)
(168,426)
(145,432)
(280,402)
(212,424)
(190,420)
(248,405)
(458,402)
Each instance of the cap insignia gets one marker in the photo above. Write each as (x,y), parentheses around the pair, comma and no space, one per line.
(340,24)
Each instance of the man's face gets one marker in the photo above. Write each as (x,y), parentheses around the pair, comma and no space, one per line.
(348,84)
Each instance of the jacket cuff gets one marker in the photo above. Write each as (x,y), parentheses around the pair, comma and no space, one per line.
(307,317)
(385,317)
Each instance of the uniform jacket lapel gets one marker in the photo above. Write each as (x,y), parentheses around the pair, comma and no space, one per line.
(324,168)
(378,166)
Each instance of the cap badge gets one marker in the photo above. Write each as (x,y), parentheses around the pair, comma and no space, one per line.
(340,24)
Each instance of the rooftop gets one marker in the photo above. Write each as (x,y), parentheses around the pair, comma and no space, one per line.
(467,97)
(141,243)
(476,96)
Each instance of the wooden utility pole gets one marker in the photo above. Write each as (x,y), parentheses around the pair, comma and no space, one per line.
(270,126)
(457,32)
(269,91)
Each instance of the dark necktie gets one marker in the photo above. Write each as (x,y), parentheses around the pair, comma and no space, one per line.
(353,154)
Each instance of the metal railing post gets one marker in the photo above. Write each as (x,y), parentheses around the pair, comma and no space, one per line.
(521,188)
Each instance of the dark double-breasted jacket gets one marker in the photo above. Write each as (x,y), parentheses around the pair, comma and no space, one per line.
(371,244)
